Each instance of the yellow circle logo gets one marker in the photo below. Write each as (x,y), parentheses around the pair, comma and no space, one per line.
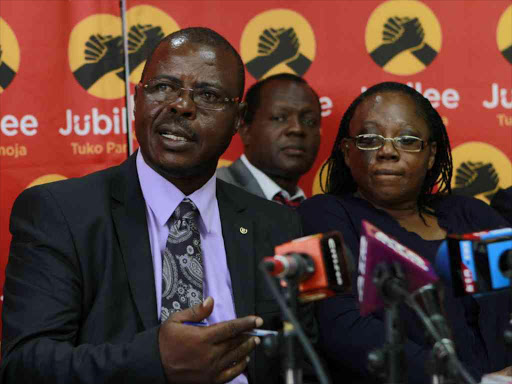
(9,55)
(504,34)
(480,170)
(96,48)
(403,36)
(277,41)
(46,179)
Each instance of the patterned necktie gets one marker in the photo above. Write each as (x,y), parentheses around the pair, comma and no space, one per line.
(291,203)
(182,264)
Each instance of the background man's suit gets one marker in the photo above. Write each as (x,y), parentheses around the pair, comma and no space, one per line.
(80,274)
(238,174)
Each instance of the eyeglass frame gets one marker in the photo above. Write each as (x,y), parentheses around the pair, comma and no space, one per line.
(225,101)
(393,140)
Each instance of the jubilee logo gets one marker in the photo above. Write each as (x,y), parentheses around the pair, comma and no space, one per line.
(95,48)
(403,36)
(277,41)
(9,55)
(480,170)
(504,34)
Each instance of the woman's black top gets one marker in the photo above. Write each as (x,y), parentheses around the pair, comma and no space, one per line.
(346,337)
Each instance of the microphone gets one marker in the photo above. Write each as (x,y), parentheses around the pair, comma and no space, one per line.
(390,269)
(377,250)
(476,263)
(320,262)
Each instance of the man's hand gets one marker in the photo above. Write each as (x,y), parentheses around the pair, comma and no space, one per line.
(213,354)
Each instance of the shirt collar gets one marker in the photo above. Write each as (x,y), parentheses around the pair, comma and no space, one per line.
(163,197)
(269,186)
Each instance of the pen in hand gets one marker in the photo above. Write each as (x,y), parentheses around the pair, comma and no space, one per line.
(254,332)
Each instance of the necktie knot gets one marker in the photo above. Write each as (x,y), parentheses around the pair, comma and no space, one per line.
(184,221)
(186,210)
(294,203)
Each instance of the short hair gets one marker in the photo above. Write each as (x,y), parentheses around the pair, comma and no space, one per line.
(208,37)
(339,179)
(252,97)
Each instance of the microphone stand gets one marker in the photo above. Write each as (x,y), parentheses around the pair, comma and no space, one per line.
(445,358)
(293,371)
(390,361)
(438,366)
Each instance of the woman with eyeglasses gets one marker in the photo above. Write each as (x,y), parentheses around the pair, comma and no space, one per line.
(391,165)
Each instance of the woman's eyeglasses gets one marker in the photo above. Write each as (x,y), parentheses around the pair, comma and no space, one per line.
(370,142)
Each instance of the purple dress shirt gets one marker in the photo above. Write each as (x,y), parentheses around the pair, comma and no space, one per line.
(162,198)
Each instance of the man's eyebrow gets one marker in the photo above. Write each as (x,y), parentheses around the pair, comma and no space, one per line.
(205,84)
(168,77)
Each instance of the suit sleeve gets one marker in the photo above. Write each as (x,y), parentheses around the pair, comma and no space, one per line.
(43,309)
(346,337)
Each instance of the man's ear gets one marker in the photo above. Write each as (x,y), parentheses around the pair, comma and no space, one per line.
(136,94)
(242,109)
(432,156)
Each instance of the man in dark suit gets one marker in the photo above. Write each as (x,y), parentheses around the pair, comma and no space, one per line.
(87,282)
(281,136)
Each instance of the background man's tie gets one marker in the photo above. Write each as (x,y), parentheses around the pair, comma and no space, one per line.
(283,200)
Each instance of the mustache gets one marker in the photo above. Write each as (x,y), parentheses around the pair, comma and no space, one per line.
(177,125)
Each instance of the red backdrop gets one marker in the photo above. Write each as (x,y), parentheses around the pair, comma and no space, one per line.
(61,110)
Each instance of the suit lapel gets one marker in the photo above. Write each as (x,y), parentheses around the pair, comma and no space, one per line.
(245,178)
(129,214)
(237,231)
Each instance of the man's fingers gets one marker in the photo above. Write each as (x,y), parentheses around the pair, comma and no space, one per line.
(239,353)
(236,369)
(229,329)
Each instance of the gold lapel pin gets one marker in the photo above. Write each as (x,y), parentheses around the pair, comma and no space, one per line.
(243,230)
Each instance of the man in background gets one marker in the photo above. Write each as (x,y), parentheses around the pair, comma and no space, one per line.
(281,137)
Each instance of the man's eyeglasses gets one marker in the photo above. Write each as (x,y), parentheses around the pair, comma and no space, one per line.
(370,142)
(162,90)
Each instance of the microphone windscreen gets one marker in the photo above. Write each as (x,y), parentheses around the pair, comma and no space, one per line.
(375,248)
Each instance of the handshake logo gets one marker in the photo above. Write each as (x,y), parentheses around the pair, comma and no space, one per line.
(104,53)
(6,72)
(9,55)
(480,170)
(475,178)
(277,41)
(400,35)
(403,37)
(504,34)
(278,46)
(96,53)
